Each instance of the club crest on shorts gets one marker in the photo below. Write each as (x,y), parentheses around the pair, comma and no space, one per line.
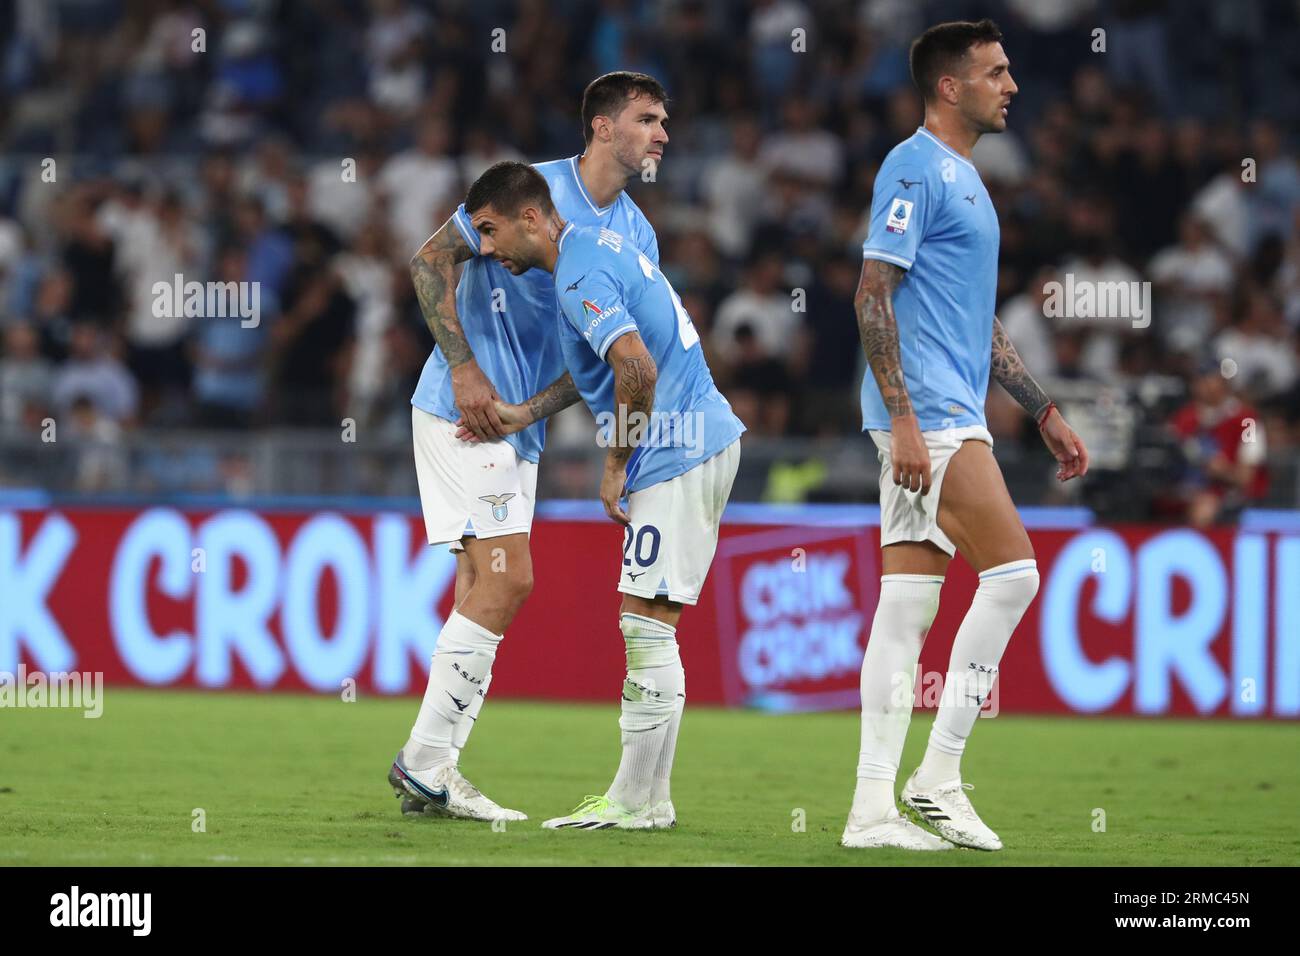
(498,503)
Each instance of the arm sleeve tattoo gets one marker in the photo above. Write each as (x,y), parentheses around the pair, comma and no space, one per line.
(433,270)
(875,308)
(1011,374)
(635,376)
(560,394)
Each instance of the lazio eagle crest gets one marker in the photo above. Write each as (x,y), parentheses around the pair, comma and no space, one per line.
(498,503)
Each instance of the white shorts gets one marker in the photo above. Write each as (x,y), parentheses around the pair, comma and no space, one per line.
(480,489)
(909,515)
(669,546)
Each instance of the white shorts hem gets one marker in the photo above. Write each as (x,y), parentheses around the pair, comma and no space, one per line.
(651,595)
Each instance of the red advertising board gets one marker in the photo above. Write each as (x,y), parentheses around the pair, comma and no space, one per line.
(1128,620)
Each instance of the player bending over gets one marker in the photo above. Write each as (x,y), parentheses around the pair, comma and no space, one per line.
(925,311)
(635,358)
(478,498)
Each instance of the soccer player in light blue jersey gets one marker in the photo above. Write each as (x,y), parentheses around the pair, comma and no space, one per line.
(478,498)
(673,450)
(925,311)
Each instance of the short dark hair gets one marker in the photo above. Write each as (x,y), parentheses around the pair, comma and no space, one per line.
(507,187)
(938,51)
(607,95)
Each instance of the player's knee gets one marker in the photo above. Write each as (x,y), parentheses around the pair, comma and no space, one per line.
(518,585)
(1014,584)
(910,605)
(508,587)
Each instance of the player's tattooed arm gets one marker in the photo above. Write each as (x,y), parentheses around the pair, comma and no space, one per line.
(1062,441)
(557,396)
(874,304)
(433,270)
(1011,374)
(635,377)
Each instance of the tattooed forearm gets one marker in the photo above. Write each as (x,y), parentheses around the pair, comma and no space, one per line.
(635,377)
(558,395)
(875,308)
(1011,374)
(433,270)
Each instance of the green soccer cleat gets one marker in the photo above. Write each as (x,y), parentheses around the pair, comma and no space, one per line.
(602,813)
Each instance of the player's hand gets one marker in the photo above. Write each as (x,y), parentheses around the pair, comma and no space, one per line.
(476,399)
(613,485)
(1066,447)
(514,418)
(910,456)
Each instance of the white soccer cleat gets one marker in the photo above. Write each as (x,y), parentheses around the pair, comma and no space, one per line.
(444,791)
(602,813)
(947,809)
(662,815)
(895,831)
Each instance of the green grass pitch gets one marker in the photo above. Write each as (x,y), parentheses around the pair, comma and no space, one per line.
(299,780)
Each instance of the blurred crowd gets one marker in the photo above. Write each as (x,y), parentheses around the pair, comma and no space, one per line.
(311,146)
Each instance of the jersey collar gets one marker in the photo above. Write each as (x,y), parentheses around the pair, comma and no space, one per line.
(573,165)
(945,147)
(568,228)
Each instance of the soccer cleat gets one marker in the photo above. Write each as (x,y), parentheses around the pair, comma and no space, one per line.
(947,810)
(602,813)
(412,807)
(895,831)
(443,791)
(663,816)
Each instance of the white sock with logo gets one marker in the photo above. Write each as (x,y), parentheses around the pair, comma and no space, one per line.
(654,684)
(469,719)
(460,667)
(904,613)
(1000,601)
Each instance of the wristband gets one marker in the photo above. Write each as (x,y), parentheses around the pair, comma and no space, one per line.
(1046,411)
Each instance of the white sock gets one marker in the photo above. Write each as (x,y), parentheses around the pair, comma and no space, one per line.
(655,678)
(661,790)
(469,719)
(462,661)
(907,606)
(1003,596)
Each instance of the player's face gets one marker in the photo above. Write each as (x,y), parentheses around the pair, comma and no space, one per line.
(987,88)
(511,240)
(639,135)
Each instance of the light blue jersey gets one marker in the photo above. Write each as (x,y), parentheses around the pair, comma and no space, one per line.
(512,331)
(931,215)
(607,288)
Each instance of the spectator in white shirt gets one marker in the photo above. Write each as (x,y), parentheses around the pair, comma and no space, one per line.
(765,307)
(1189,278)
(418,184)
